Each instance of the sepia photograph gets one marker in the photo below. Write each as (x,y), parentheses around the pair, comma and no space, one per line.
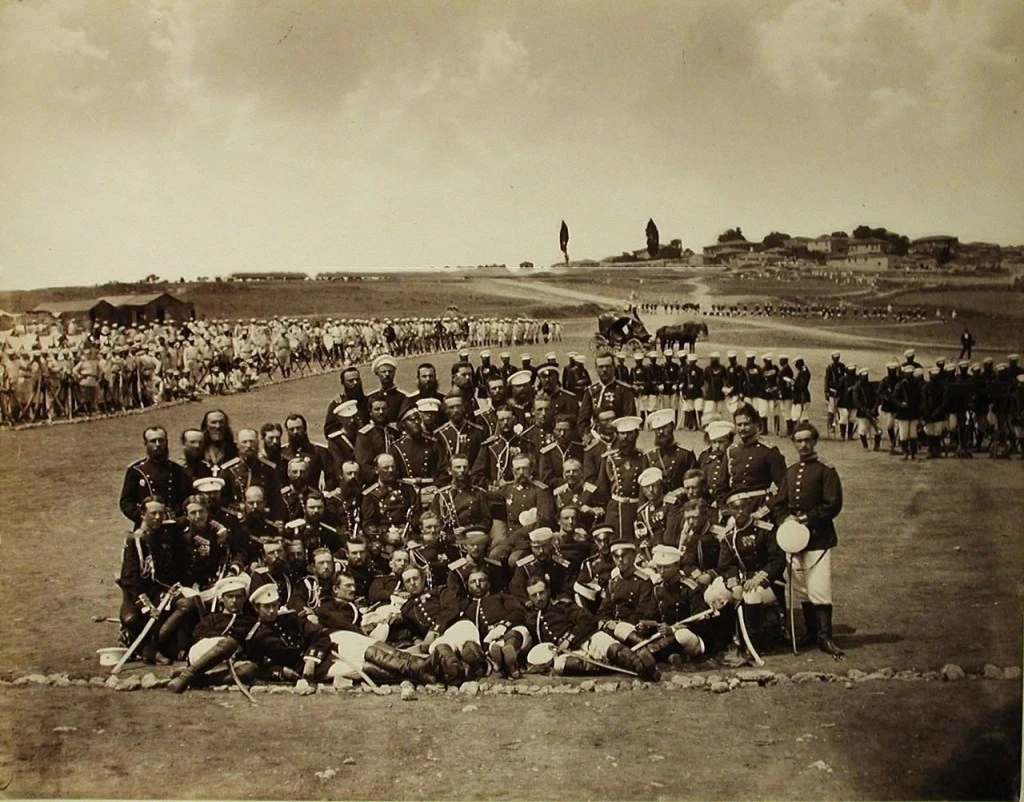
(511,400)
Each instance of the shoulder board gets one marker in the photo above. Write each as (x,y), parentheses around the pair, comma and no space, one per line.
(296,524)
(590,487)
(492,439)
(335,434)
(562,487)
(457,564)
(492,562)
(719,530)
(690,583)
(366,429)
(524,561)
(230,462)
(672,496)
(539,484)
(320,445)
(621,383)
(764,525)
(371,488)
(475,426)
(262,569)
(137,462)
(548,447)
(268,463)
(328,527)
(562,562)
(828,465)
(287,490)
(218,527)
(482,412)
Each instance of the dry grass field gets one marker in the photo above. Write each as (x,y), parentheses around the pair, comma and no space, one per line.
(928,572)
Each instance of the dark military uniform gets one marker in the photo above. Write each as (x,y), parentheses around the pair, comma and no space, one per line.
(320,465)
(752,549)
(320,536)
(654,517)
(394,398)
(561,620)
(372,440)
(459,508)
(754,467)
(552,458)
(627,599)
(673,460)
(164,480)
(459,571)
(150,565)
(417,461)
(382,588)
(429,611)
(680,598)
(385,506)
(521,497)
(702,552)
(309,593)
(597,568)
(594,451)
(286,643)
(534,438)
(583,496)
(564,402)
(618,396)
(335,615)
(333,421)
(554,570)
(618,486)
(494,462)
(239,475)
(197,469)
(341,448)
(453,440)
(494,609)
(811,488)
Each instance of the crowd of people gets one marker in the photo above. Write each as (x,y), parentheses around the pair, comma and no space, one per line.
(56,372)
(506,523)
(886,313)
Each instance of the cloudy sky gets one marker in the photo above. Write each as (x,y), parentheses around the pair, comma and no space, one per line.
(188,137)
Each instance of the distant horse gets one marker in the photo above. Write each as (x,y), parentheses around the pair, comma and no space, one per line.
(683,335)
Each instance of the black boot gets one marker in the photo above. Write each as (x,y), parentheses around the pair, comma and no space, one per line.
(510,649)
(448,666)
(222,650)
(662,646)
(624,657)
(571,664)
(913,449)
(399,663)
(810,636)
(473,656)
(790,425)
(892,440)
(905,448)
(825,642)
(864,441)
(842,431)
(878,442)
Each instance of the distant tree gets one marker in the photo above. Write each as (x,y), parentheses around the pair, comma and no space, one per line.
(677,243)
(775,240)
(731,234)
(181,280)
(840,234)
(653,242)
(897,244)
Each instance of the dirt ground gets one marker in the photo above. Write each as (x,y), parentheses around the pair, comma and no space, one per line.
(927,572)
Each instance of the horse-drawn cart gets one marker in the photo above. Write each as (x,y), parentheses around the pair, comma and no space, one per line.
(620,331)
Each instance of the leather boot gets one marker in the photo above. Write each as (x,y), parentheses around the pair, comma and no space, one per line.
(403,664)
(864,441)
(810,636)
(662,645)
(246,671)
(878,442)
(842,431)
(222,650)
(380,675)
(510,649)
(633,639)
(448,666)
(571,664)
(825,643)
(790,425)
(624,657)
(474,658)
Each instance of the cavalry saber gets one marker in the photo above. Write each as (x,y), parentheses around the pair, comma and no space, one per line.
(238,682)
(746,637)
(587,659)
(702,616)
(164,602)
(363,675)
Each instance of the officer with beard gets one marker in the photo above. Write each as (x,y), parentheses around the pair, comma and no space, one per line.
(384,368)
(153,476)
(618,482)
(458,436)
(460,504)
(351,390)
(299,445)
(667,455)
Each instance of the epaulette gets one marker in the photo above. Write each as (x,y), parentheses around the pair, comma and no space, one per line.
(522,562)
(548,448)
(539,484)
(261,569)
(764,525)
(590,487)
(454,566)
(231,462)
(690,583)
(672,496)
(268,463)
(561,487)
(621,383)
(594,444)
(492,439)
(475,426)
(371,487)
(138,462)
(287,490)
(335,433)
(562,561)
(366,429)
(492,562)
(320,445)
(329,527)
(719,530)
(296,524)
